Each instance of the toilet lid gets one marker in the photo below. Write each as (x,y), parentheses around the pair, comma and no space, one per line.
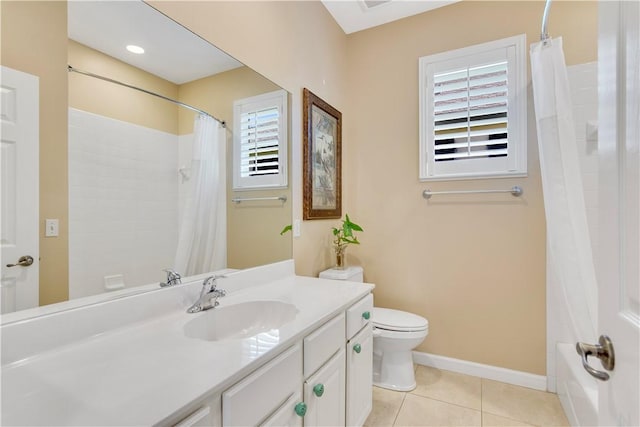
(396,320)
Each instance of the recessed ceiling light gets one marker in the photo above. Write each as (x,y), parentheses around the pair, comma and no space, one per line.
(135,49)
(370,4)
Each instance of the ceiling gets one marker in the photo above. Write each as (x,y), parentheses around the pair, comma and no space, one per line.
(357,15)
(171,51)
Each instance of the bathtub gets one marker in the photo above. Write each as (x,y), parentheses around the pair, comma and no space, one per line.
(577,390)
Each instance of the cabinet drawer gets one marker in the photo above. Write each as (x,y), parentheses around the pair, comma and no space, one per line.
(258,395)
(322,344)
(357,315)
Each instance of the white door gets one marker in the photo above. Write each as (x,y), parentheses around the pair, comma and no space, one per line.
(19,189)
(618,266)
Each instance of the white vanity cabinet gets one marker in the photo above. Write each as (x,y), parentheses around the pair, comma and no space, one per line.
(322,380)
(359,353)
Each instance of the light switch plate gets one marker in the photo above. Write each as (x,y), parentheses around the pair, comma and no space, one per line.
(51,227)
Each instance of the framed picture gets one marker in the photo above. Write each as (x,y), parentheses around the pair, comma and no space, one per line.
(322,164)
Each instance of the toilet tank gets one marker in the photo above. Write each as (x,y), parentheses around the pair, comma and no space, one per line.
(352,273)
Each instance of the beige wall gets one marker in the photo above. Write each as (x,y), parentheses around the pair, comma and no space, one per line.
(252,228)
(473,265)
(34,40)
(119,102)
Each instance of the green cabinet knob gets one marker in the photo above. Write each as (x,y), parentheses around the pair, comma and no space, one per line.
(357,348)
(366,315)
(318,390)
(301,409)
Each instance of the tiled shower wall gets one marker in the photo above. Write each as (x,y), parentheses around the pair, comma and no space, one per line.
(123,203)
(583,81)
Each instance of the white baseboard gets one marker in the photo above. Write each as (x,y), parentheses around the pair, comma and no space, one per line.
(509,376)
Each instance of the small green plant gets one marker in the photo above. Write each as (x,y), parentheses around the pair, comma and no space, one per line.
(285,229)
(344,235)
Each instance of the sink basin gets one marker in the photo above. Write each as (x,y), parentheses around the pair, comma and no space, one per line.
(239,321)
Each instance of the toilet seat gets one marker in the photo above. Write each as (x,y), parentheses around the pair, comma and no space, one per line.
(398,321)
(403,335)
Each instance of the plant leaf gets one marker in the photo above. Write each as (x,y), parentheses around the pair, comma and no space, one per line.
(285,229)
(356,227)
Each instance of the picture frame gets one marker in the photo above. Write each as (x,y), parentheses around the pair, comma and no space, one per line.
(322,159)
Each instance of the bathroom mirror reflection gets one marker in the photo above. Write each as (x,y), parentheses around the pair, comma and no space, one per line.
(116,165)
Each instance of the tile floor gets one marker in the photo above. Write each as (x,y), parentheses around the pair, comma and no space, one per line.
(444,398)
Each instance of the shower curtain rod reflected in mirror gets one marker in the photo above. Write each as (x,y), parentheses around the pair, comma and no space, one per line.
(182,104)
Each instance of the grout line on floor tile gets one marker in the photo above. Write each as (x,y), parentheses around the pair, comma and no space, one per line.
(481,401)
(404,396)
(446,401)
(507,418)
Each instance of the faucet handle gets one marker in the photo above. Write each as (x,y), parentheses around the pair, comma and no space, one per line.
(212,280)
(172,273)
(173,278)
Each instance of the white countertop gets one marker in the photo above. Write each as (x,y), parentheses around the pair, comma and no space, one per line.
(142,373)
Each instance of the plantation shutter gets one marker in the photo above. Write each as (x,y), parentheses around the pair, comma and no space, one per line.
(259,142)
(473,111)
(470,113)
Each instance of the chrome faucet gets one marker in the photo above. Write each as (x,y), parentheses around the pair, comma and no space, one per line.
(173,278)
(208,295)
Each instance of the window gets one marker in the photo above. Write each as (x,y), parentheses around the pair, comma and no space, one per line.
(473,116)
(260,141)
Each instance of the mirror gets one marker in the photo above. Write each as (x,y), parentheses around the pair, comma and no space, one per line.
(115,163)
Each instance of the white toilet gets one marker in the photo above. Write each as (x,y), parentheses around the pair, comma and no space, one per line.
(395,334)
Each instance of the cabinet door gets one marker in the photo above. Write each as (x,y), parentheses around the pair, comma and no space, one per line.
(359,377)
(324,394)
(286,415)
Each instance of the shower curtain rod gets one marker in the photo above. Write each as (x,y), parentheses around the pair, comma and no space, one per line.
(182,104)
(544,34)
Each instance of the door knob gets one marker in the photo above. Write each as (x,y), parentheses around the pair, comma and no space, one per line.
(603,351)
(24,261)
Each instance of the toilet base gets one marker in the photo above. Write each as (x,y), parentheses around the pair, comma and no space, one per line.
(395,387)
(394,370)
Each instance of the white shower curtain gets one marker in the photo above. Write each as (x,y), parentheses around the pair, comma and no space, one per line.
(202,242)
(568,241)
